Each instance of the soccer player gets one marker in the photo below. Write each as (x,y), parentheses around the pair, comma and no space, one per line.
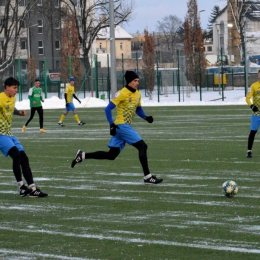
(69,95)
(253,93)
(128,103)
(35,97)
(10,145)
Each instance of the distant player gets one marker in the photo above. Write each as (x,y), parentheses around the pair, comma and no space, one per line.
(128,103)
(9,144)
(69,95)
(253,93)
(35,97)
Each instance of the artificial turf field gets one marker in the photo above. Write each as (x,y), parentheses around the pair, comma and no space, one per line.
(102,209)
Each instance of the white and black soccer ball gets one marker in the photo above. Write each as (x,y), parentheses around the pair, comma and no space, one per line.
(230,188)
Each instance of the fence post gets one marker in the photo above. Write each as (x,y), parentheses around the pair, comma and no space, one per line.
(200,75)
(108,79)
(123,72)
(222,75)
(45,77)
(20,89)
(157,77)
(96,75)
(178,75)
(136,58)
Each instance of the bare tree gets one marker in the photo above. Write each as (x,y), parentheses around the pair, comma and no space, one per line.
(92,16)
(148,60)
(193,46)
(168,29)
(12,26)
(70,49)
(239,10)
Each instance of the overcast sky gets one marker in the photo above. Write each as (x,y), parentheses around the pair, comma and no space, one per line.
(148,12)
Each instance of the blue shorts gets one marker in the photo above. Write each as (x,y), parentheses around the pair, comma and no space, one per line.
(70,107)
(7,142)
(125,134)
(255,123)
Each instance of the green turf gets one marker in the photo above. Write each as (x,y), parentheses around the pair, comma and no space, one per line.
(102,209)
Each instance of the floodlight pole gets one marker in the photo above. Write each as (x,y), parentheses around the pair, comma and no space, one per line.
(112,49)
(245,57)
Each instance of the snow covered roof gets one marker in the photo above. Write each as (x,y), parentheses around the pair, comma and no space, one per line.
(120,33)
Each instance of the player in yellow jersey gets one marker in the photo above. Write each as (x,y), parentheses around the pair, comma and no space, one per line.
(128,103)
(253,93)
(10,145)
(69,95)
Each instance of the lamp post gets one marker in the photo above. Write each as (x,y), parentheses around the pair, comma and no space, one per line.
(112,49)
(28,40)
(245,57)
(200,63)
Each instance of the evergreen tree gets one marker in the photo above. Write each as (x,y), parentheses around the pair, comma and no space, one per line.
(214,14)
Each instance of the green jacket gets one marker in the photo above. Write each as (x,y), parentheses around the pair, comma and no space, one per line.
(35,97)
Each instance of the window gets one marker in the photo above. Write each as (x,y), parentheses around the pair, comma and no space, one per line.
(100,45)
(24,65)
(41,65)
(57,45)
(40,47)
(56,3)
(2,2)
(39,3)
(1,45)
(40,26)
(121,46)
(209,48)
(57,24)
(22,3)
(23,45)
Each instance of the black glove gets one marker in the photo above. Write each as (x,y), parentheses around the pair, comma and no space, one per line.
(79,101)
(149,119)
(254,108)
(113,128)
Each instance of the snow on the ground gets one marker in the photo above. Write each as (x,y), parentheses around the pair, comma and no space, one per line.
(231,97)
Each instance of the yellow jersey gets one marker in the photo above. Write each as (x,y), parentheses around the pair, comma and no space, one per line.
(254,92)
(70,92)
(7,105)
(126,103)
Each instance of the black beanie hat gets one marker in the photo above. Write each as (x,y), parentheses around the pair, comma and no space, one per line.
(130,76)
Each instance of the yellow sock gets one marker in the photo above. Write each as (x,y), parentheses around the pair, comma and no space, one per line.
(62,118)
(77,118)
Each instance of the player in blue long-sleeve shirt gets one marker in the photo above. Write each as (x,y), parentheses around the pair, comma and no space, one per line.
(128,103)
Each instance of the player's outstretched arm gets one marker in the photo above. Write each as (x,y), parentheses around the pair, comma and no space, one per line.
(140,112)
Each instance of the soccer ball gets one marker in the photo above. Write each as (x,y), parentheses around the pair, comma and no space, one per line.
(229,188)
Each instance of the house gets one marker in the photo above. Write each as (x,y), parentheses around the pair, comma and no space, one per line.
(122,44)
(226,37)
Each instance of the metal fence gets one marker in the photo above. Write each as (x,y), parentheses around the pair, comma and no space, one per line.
(167,80)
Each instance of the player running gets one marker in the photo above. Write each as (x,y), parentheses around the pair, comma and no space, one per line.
(128,103)
(69,95)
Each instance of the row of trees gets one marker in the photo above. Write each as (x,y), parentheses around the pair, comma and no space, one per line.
(89,16)
(84,19)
